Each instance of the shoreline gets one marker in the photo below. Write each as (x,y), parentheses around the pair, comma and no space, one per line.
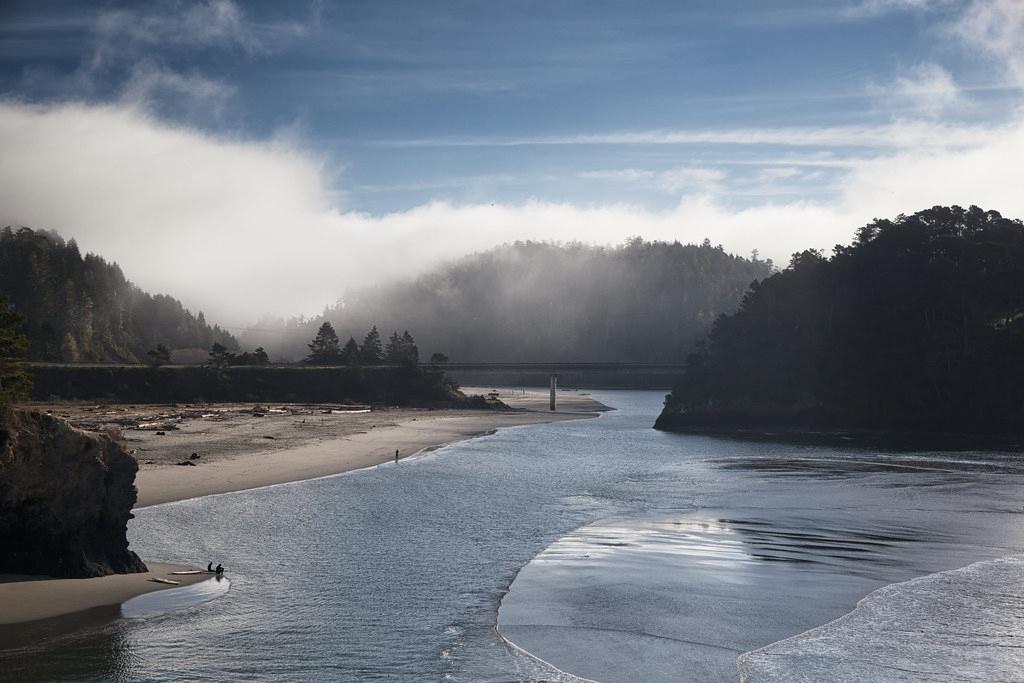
(327,452)
(411,433)
(33,598)
(897,439)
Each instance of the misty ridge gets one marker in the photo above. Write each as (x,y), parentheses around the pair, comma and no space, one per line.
(522,302)
(82,308)
(543,302)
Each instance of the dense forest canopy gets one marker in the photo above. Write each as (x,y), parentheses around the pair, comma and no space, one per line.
(918,325)
(539,302)
(83,309)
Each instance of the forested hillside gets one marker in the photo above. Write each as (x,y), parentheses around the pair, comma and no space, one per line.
(83,309)
(918,326)
(533,302)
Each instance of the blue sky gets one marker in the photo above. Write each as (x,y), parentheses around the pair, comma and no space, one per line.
(769,125)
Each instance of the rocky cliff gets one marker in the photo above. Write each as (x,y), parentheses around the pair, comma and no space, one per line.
(66,496)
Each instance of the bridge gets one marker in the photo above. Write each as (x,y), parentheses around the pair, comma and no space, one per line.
(657,376)
(570,375)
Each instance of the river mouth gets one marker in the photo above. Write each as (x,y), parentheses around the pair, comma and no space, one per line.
(397,573)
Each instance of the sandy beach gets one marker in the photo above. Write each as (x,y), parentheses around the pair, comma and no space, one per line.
(244,446)
(28,598)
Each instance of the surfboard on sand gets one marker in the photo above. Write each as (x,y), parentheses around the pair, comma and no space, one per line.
(167,581)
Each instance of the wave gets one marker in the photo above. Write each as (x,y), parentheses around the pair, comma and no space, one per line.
(959,625)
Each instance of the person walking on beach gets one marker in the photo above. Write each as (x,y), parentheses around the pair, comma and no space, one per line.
(396,456)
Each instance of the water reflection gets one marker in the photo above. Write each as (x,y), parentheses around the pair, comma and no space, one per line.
(88,646)
(701,540)
(96,644)
(698,540)
(161,602)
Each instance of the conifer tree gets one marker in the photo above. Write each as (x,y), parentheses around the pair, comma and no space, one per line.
(393,350)
(370,352)
(324,349)
(350,352)
(410,353)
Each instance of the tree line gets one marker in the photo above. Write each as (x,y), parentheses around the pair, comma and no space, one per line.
(918,325)
(84,309)
(326,349)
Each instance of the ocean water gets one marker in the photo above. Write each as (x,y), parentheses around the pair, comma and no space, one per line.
(601,549)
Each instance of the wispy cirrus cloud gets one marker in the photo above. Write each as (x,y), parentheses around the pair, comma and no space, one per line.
(890,135)
(874,8)
(686,180)
(219,24)
(145,54)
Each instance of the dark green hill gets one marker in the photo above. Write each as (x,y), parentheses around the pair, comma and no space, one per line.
(542,302)
(83,309)
(917,326)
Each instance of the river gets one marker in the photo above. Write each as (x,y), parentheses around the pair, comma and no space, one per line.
(602,548)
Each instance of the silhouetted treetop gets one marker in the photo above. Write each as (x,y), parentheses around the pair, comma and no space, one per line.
(325,348)
(917,325)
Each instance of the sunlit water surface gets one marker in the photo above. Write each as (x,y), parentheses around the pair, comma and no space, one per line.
(640,555)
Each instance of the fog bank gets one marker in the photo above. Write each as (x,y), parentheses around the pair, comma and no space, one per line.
(239,228)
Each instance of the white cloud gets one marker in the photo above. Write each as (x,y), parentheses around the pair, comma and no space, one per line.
(194,96)
(688,180)
(133,52)
(684,180)
(241,228)
(925,89)
(780,173)
(872,8)
(895,134)
(996,27)
(217,23)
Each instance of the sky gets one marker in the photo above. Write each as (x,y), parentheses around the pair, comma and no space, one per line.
(260,158)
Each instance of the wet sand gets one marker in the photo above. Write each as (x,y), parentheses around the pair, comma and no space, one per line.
(29,598)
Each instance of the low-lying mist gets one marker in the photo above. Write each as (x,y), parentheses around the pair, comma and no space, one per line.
(536,302)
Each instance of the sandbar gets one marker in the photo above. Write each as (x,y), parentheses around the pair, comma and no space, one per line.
(29,598)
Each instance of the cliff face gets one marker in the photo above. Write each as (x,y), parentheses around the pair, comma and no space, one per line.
(66,496)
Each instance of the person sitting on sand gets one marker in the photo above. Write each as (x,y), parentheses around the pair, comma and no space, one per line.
(209,567)
(220,569)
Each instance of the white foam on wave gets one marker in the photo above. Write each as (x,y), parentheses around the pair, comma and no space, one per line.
(961,625)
